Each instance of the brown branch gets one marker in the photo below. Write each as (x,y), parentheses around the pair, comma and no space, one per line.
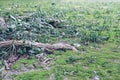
(57,46)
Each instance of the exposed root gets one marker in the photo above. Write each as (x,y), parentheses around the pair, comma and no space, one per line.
(46,46)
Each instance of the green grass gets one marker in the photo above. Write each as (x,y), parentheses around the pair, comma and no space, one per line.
(95,21)
(97,24)
(38,75)
(25,62)
(103,61)
(81,66)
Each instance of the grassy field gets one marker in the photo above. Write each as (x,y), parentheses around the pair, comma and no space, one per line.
(103,62)
(95,25)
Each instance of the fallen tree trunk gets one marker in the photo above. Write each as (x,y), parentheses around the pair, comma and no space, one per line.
(57,46)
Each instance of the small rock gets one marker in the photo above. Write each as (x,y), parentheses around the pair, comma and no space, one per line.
(96,78)
(76,45)
(65,78)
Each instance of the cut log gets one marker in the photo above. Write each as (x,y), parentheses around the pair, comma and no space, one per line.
(57,46)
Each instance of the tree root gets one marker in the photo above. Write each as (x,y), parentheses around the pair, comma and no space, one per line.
(46,46)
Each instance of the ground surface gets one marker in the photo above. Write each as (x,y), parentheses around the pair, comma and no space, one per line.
(95,21)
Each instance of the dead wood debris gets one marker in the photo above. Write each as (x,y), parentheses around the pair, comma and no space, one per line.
(46,46)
